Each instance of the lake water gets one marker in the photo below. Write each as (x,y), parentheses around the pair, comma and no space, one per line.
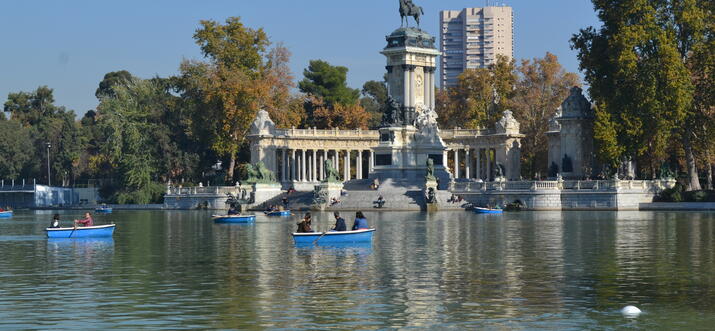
(447,270)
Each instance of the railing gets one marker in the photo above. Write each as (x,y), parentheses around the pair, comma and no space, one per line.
(355,133)
(455,133)
(563,185)
(17,185)
(221,190)
(463,133)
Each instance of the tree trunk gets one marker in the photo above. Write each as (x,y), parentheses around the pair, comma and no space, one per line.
(693,181)
(710,169)
(231,166)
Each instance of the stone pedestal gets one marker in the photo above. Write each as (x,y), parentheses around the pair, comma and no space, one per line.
(325,192)
(434,204)
(264,192)
(403,153)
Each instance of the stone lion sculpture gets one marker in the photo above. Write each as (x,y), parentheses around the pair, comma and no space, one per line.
(259,174)
(331,174)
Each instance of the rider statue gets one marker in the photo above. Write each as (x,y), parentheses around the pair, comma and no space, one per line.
(408,8)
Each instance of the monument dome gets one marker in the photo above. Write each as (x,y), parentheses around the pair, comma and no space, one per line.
(410,37)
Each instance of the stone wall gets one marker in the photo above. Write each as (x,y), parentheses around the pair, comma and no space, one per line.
(564,195)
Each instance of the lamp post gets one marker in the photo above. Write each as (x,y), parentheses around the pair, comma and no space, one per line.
(49,181)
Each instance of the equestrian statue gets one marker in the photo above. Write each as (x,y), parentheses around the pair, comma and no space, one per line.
(407,9)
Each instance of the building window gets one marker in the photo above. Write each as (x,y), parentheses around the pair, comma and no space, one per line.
(383,159)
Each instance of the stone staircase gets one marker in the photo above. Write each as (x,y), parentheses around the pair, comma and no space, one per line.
(296,201)
(398,195)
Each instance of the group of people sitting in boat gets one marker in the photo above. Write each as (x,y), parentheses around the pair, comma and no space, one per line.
(305,225)
(233,210)
(273,208)
(455,199)
(5,209)
(86,221)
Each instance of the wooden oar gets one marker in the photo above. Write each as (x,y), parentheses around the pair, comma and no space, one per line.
(321,236)
(75,228)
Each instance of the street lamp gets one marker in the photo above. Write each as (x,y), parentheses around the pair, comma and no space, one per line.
(49,181)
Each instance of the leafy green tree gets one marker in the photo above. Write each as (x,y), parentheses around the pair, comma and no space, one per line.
(636,76)
(112,79)
(50,124)
(242,75)
(329,83)
(373,101)
(15,141)
(133,139)
(480,96)
(541,87)
(693,23)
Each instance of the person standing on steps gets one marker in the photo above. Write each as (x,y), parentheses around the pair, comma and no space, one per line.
(360,222)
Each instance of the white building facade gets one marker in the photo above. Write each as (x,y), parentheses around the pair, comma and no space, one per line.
(472,38)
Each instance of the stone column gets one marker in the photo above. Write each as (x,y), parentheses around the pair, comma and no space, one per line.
(479,163)
(406,86)
(314,172)
(412,86)
(322,165)
(431,88)
(467,163)
(456,163)
(371,161)
(445,158)
(284,166)
(346,166)
(489,164)
(358,166)
(292,164)
(302,165)
(335,160)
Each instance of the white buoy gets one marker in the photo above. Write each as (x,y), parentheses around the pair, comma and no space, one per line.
(630,311)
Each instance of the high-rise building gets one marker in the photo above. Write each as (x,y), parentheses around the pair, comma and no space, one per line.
(472,38)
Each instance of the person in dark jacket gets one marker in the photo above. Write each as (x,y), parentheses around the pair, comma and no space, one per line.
(360,222)
(339,223)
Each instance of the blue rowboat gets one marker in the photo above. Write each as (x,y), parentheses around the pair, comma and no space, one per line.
(6,214)
(333,237)
(82,232)
(234,218)
(103,210)
(480,210)
(278,213)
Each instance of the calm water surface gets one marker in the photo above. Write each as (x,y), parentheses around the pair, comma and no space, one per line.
(447,270)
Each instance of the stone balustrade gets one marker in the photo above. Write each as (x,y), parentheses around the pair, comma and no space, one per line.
(221,190)
(564,194)
(335,132)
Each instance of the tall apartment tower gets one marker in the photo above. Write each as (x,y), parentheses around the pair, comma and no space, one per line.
(472,38)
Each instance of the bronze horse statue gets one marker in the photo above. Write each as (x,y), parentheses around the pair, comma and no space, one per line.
(407,9)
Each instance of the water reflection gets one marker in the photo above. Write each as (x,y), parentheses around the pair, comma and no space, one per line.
(458,270)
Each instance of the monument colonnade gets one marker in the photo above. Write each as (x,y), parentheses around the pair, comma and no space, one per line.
(297,155)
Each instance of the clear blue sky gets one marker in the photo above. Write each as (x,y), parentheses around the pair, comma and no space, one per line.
(69,45)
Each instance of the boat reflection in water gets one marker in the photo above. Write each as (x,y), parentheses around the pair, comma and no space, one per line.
(98,242)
